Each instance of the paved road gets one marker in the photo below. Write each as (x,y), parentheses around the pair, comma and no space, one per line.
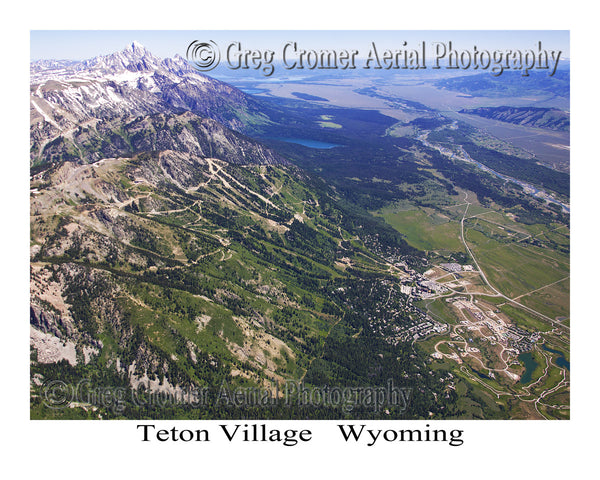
(483,276)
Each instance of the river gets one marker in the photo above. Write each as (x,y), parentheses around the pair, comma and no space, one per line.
(465,157)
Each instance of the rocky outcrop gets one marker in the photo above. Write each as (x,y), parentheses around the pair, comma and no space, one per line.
(201,137)
(50,348)
(49,322)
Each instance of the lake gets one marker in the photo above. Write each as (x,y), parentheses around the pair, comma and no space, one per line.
(530,366)
(561,361)
(253,91)
(308,143)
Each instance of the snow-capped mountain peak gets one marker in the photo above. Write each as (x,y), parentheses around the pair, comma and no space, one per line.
(133,58)
(137,47)
(124,84)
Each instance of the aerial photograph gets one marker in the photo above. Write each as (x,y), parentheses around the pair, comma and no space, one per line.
(299,225)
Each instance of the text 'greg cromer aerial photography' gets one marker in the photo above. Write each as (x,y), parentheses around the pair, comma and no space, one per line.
(300,225)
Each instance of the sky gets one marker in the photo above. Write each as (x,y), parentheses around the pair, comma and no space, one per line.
(83,44)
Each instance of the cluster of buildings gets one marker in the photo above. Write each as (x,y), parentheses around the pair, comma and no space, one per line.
(456,267)
(429,288)
(420,286)
(408,324)
(511,336)
(519,339)
(419,330)
(395,316)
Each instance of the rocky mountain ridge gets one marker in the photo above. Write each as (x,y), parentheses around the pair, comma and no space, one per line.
(115,89)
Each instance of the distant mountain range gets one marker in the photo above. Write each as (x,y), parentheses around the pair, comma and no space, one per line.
(549,118)
(511,84)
